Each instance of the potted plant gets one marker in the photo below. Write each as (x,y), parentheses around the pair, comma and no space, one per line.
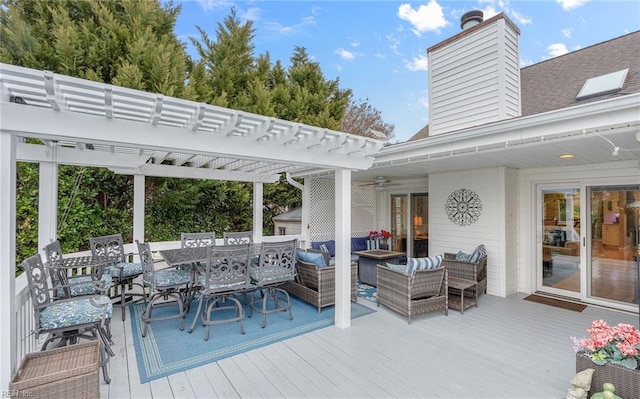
(612,351)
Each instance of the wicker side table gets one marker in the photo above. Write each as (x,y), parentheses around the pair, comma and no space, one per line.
(460,302)
(67,372)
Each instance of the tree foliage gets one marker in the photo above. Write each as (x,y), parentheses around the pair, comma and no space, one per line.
(132,43)
(363,119)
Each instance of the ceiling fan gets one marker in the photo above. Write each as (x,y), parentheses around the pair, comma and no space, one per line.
(381,183)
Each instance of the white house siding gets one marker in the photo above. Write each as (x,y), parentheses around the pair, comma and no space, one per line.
(510,231)
(474,79)
(624,172)
(490,184)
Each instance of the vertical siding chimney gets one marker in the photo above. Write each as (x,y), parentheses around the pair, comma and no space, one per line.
(474,76)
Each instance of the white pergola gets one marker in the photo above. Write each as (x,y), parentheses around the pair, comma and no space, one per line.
(84,123)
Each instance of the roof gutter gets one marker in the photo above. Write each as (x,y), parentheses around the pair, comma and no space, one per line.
(521,127)
(293,182)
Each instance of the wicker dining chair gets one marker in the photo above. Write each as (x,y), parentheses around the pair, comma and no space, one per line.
(162,285)
(423,291)
(275,267)
(226,274)
(123,272)
(66,321)
(237,238)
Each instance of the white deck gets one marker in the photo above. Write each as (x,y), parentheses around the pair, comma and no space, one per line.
(507,347)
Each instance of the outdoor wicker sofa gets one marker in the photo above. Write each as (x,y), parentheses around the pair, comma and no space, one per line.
(474,271)
(317,285)
(423,291)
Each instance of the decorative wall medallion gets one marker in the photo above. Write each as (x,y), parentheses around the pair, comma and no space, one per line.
(463,207)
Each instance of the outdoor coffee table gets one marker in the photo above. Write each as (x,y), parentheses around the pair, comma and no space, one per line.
(462,302)
(368,259)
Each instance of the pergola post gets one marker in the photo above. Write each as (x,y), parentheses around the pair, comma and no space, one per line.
(343,247)
(138,207)
(258,204)
(8,343)
(48,200)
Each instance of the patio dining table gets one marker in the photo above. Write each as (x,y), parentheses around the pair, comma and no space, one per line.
(64,266)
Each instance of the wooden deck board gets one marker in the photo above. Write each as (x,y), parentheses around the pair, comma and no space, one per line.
(507,347)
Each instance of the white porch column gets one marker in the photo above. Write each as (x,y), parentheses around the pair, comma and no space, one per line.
(48,200)
(138,207)
(8,354)
(258,205)
(343,247)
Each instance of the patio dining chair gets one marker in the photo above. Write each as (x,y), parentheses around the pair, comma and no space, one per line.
(237,238)
(111,248)
(226,274)
(189,240)
(275,267)
(66,321)
(163,284)
(75,285)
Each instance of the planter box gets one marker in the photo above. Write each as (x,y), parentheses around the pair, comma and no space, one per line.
(625,380)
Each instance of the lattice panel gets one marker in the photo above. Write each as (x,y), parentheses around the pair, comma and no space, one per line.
(322,210)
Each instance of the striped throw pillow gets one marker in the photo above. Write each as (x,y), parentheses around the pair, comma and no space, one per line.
(430,262)
(478,254)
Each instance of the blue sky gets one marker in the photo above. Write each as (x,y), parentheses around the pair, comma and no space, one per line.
(379,48)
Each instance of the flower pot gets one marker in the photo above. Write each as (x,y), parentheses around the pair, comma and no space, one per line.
(625,380)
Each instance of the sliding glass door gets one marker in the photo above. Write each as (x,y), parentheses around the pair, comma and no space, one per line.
(612,270)
(559,266)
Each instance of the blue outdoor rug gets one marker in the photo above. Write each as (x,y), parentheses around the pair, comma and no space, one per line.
(368,292)
(167,350)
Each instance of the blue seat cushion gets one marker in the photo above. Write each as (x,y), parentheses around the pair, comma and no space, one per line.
(128,269)
(78,289)
(172,277)
(462,256)
(312,257)
(79,311)
(397,268)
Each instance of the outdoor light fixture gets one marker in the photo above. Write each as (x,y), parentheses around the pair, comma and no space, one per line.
(566,156)
(616,151)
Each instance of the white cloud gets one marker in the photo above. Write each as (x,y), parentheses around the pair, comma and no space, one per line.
(566,32)
(424,101)
(557,49)
(215,4)
(426,18)
(304,22)
(419,63)
(488,12)
(393,43)
(354,43)
(568,5)
(520,19)
(252,14)
(345,54)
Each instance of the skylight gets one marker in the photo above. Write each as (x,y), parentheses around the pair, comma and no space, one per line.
(603,84)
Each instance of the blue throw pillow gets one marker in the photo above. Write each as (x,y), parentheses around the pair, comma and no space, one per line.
(359,243)
(312,257)
(323,248)
(330,245)
(398,268)
(463,256)
(430,262)
(478,254)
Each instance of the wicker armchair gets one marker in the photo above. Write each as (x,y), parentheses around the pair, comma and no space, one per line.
(317,285)
(424,291)
(475,271)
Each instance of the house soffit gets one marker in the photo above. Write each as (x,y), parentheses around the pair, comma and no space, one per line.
(135,132)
